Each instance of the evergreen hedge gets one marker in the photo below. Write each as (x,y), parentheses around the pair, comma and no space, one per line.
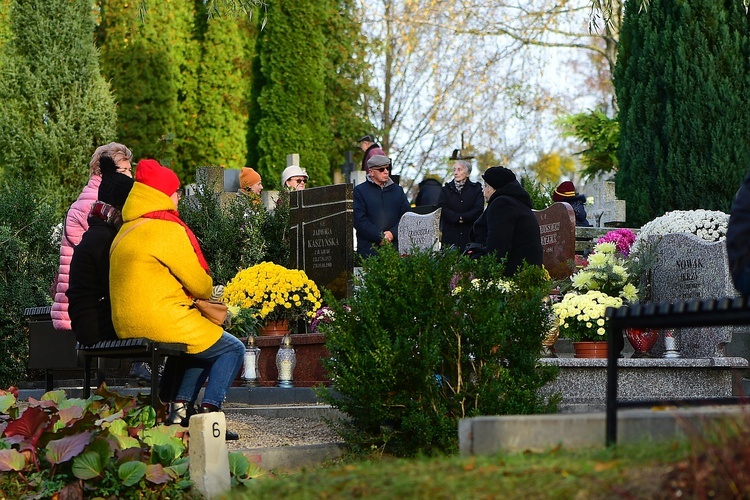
(683,87)
(55,106)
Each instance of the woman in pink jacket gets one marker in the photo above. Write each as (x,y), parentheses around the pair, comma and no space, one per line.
(76,223)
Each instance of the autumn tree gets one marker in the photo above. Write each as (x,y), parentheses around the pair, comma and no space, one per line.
(55,106)
(683,85)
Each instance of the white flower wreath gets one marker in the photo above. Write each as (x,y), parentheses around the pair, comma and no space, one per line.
(709,225)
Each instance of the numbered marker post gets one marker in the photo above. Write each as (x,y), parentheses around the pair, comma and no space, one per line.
(209,457)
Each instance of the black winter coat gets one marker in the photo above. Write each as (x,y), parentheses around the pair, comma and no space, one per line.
(377,210)
(738,231)
(578,203)
(88,291)
(466,205)
(508,228)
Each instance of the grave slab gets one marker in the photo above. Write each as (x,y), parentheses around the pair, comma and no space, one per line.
(419,232)
(557,229)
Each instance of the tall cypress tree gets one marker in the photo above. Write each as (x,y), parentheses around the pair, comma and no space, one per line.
(683,89)
(223,91)
(55,106)
(152,65)
(291,106)
(346,82)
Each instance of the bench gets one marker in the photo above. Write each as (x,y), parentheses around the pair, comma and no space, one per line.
(725,311)
(51,349)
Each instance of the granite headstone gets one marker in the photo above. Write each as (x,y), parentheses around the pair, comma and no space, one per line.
(687,267)
(557,229)
(419,231)
(321,236)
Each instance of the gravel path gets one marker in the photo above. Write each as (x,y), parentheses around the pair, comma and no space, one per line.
(262,432)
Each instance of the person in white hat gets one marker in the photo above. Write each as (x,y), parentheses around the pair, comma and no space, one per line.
(294,178)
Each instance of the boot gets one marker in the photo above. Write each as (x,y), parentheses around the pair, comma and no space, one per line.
(179,413)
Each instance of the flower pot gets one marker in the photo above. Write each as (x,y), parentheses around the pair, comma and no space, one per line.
(642,340)
(275,328)
(590,349)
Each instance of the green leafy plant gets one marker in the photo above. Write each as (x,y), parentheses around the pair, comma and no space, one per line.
(600,136)
(427,339)
(109,445)
(541,195)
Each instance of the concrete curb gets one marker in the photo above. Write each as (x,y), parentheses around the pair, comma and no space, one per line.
(489,435)
(288,458)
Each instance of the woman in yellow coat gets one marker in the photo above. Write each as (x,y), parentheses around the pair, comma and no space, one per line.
(156,269)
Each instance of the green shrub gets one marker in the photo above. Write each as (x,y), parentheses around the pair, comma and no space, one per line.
(28,262)
(237,232)
(419,346)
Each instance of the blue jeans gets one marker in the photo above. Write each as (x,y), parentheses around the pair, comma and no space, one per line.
(220,363)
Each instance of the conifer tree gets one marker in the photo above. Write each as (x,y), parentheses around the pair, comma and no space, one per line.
(682,86)
(346,86)
(55,106)
(291,112)
(223,92)
(152,64)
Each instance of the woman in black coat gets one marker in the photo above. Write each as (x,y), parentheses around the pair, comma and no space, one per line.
(462,203)
(508,227)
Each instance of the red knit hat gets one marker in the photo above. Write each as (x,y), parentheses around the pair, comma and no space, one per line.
(150,173)
(565,191)
(248,177)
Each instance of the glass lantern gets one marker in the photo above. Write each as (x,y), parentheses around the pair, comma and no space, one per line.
(250,369)
(286,361)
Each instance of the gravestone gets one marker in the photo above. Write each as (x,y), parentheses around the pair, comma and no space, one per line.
(607,210)
(321,235)
(687,267)
(557,229)
(419,231)
(209,457)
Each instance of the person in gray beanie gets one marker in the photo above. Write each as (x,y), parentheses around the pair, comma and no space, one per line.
(379,204)
(508,227)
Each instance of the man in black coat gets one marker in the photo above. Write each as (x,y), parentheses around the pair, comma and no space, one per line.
(508,227)
(379,204)
(738,239)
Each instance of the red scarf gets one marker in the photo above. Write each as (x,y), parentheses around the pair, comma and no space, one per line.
(174,216)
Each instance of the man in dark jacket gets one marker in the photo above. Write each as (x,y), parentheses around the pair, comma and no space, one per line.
(738,239)
(371,148)
(508,227)
(379,204)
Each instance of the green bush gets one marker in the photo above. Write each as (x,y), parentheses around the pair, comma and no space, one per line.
(28,262)
(420,345)
(238,231)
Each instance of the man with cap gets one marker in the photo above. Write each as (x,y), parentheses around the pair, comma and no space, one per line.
(250,181)
(379,204)
(294,178)
(88,291)
(157,268)
(371,148)
(508,227)
(566,192)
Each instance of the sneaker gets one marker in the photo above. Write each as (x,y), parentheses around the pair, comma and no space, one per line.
(141,371)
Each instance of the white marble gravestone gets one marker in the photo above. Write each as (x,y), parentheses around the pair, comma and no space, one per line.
(687,267)
(418,231)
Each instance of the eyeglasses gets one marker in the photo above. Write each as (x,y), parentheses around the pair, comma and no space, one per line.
(380,169)
(300,181)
